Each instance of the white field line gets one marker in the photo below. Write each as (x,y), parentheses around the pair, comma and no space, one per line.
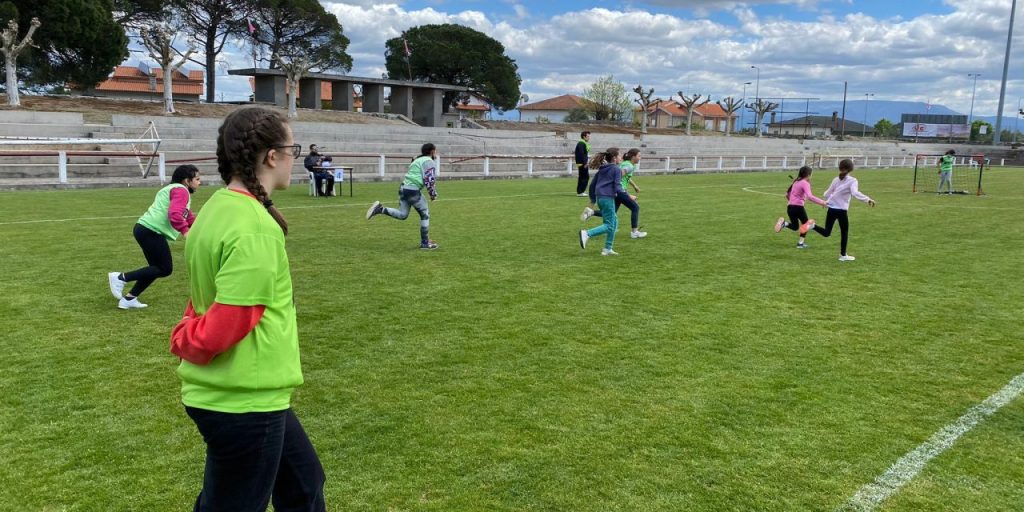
(870,496)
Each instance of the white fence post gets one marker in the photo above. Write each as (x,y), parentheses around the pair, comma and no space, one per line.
(879,161)
(487,166)
(62,166)
(568,166)
(785,160)
(892,161)
(904,164)
(865,161)
(380,165)
(529,167)
(821,161)
(1002,162)
(162,168)
(668,163)
(694,163)
(803,160)
(720,162)
(743,163)
(764,162)
(437,170)
(837,161)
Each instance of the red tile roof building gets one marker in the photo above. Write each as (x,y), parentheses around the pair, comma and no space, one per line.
(145,82)
(670,114)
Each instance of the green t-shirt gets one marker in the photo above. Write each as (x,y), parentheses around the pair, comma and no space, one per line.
(236,255)
(627,172)
(155,217)
(946,163)
(414,177)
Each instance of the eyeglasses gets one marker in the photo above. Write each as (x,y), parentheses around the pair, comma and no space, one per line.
(296,149)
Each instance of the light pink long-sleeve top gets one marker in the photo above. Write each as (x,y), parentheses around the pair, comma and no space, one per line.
(840,191)
(800,192)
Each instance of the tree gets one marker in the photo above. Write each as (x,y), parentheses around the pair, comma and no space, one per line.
(139,14)
(159,40)
(760,108)
(976,134)
(885,128)
(211,23)
(291,29)
(692,103)
(730,105)
(455,55)
(577,115)
(646,105)
(606,99)
(11,49)
(81,44)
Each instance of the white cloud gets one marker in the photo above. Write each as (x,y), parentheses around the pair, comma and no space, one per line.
(926,57)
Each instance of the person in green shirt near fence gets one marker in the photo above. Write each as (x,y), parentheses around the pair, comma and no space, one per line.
(945,165)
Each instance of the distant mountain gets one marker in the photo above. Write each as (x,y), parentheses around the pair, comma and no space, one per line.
(881,109)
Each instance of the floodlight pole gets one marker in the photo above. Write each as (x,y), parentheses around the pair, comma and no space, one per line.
(970,117)
(996,138)
(864,127)
(757,94)
(743,111)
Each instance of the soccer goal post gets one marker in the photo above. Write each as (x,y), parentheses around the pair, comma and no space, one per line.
(965,179)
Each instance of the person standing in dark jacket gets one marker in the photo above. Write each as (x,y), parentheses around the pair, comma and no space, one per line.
(582,158)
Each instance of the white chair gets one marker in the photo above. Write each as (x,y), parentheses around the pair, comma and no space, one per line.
(312,184)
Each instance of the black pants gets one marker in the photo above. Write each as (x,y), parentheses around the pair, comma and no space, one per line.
(584,179)
(158,255)
(256,457)
(634,209)
(797,216)
(834,215)
(319,178)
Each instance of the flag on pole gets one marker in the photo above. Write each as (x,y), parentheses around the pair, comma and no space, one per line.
(408,52)
(251,27)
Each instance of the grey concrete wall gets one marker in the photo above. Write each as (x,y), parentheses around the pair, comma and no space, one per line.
(426,107)
(309,94)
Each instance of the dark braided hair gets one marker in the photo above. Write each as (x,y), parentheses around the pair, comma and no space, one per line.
(242,139)
(607,155)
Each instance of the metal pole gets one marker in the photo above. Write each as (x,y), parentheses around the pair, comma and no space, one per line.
(743,111)
(970,116)
(842,131)
(997,138)
(757,95)
(864,127)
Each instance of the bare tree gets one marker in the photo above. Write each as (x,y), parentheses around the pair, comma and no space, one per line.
(646,104)
(159,40)
(692,103)
(294,69)
(12,48)
(730,105)
(760,108)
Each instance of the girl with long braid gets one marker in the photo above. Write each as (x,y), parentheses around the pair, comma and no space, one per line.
(238,339)
(605,186)
(799,192)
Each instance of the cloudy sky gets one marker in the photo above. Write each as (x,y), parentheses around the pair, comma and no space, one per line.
(917,50)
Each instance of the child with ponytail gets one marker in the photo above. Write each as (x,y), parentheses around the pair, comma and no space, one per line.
(628,166)
(238,341)
(604,188)
(799,191)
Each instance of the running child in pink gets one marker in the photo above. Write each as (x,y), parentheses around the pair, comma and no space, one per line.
(799,191)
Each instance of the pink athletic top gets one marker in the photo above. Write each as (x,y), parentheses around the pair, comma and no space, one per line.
(801,191)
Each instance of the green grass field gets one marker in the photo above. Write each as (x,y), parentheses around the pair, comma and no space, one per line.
(710,367)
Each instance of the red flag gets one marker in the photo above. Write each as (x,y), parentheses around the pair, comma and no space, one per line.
(251,27)
(408,52)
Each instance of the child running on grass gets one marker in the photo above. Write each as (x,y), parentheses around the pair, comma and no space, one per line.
(166,219)
(837,197)
(799,191)
(628,166)
(604,188)
(422,173)
(238,340)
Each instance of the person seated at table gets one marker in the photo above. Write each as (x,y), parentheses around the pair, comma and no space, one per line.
(325,173)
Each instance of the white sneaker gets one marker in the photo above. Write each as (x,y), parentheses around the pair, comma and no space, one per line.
(116,284)
(846,257)
(582,194)
(583,238)
(638,234)
(779,224)
(130,304)
(375,209)
(588,212)
(608,252)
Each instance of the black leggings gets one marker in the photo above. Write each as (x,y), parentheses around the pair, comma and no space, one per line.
(797,216)
(158,255)
(634,209)
(834,215)
(581,183)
